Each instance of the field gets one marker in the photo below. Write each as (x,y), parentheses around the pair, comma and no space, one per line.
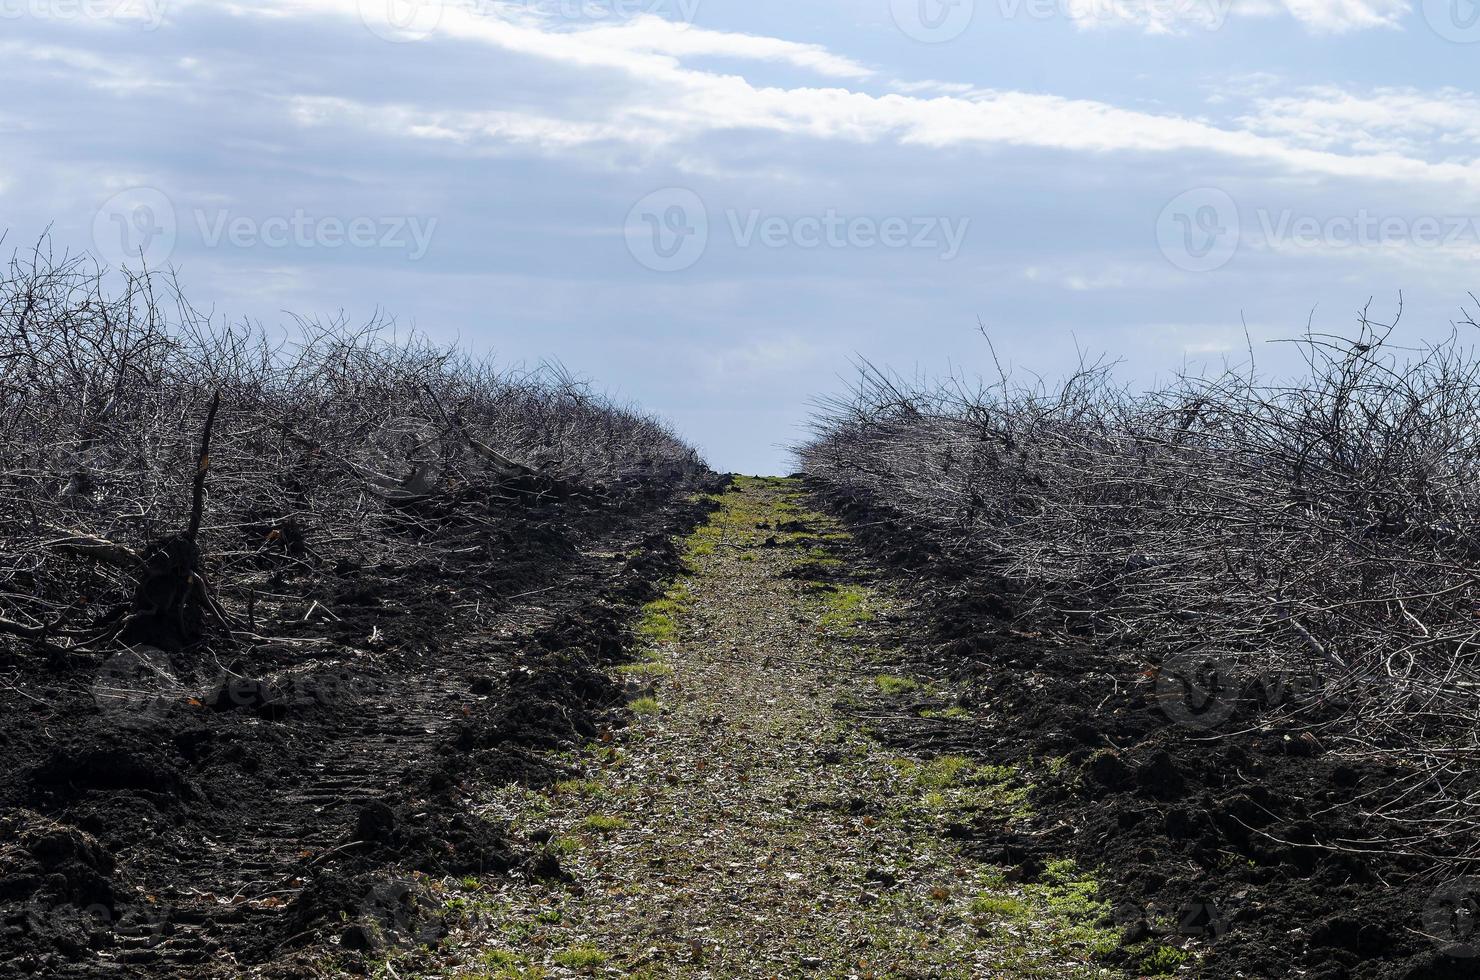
(331,654)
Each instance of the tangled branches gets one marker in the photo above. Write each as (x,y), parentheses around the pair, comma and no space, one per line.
(1325,528)
(115,403)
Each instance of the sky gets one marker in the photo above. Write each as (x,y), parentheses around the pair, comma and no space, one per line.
(715,207)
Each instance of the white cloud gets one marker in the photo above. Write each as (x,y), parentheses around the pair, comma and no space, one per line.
(114,74)
(1444,122)
(666,102)
(1177,16)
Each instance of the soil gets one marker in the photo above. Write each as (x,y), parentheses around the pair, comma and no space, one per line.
(1213,821)
(743,824)
(225,808)
(570,748)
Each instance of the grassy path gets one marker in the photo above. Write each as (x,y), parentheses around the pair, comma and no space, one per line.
(744,826)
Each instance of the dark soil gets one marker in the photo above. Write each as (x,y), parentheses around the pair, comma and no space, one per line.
(228,808)
(1210,818)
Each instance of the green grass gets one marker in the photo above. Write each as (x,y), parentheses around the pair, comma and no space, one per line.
(501,964)
(582,956)
(895,686)
(647,668)
(846,608)
(1001,907)
(646,706)
(659,622)
(603,824)
(1164,960)
(953,784)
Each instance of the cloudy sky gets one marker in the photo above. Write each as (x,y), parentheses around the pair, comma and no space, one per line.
(712,206)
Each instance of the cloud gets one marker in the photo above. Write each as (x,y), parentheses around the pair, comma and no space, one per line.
(97,71)
(1179,16)
(1385,120)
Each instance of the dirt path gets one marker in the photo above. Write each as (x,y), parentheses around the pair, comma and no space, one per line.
(744,825)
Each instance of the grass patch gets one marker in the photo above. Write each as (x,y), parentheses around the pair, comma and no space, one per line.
(953,784)
(582,956)
(501,964)
(645,707)
(1164,960)
(659,622)
(1001,907)
(953,713)
(895,686)
(602,823)
(845,608)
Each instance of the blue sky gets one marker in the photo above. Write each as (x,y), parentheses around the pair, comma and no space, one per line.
(712,207)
